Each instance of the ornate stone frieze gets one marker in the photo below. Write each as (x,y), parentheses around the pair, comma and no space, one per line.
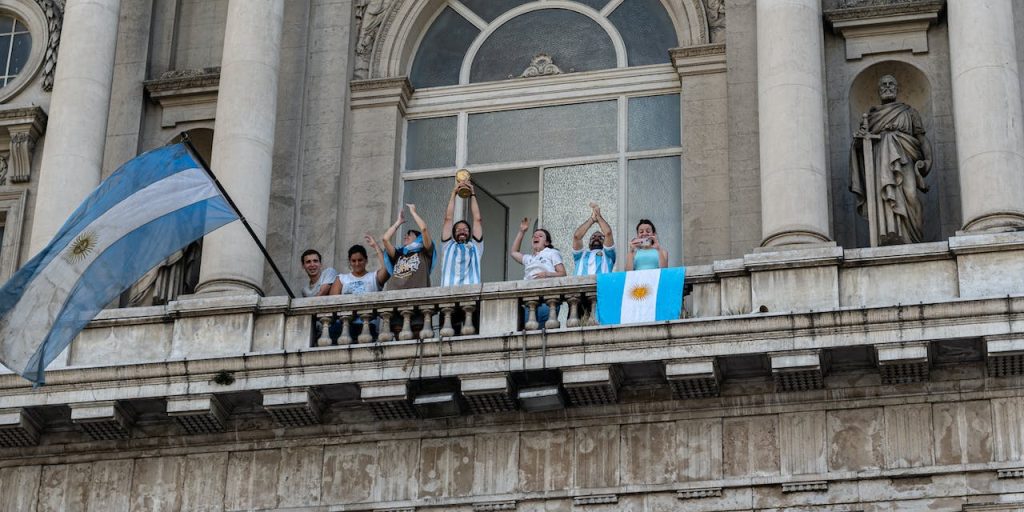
(371,16)
(877,26)
(805,487)
(602,499)
(715,12)
(186,95)
(541,65)
(18,142)
(54,10)
(691,494)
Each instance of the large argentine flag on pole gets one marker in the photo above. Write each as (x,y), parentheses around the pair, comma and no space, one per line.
(640,295)
(151,207)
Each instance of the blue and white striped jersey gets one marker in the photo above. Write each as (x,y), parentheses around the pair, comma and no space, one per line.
(461,262)
(589,262)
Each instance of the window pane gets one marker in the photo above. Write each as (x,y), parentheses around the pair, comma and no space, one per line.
(431,199)
(439,57)
(653,192)
(5,45)
(542,133)
(646,29)
(490,9)
(7,23)
(19,54)
(568,192)
(431,143)
(654,122)
(596,4)
(19,26)
(574,41)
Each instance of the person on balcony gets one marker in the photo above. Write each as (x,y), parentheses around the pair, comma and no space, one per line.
(543,262)
(410,264)
(360,281)
(464,246)
(645,251)
(320,279)
(599,256)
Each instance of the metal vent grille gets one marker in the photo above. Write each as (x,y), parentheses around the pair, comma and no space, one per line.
(392,409)
(799,380)
(484,403)
(697,387)
(104,430)
(294,407)
(1005,365)
(592,394)
(904,373)
(203,415)
(18,429)
(295,416)
(104,421)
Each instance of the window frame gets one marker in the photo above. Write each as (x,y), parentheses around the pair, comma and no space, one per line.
(32,16)
(12,205)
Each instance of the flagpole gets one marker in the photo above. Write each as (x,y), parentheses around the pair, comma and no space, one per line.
(188,142)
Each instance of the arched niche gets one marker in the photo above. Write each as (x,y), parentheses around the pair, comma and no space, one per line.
(915,89)
(407,21)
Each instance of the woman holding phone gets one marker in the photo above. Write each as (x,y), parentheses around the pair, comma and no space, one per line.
(645,251)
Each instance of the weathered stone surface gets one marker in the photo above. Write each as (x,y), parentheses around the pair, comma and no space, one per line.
(597,457)
(802,443)
(545,460)
(205,481)
(19,488)
(856,439)
(699,449)
(299,481)
(1008,428)
(908,436)
(751,446)
(963,432)
(495,463)
(156,483)
(648,453)
(349,473)
(446,467)
(396,472)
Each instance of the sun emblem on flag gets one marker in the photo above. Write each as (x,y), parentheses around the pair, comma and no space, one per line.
(640,292)
(80,249)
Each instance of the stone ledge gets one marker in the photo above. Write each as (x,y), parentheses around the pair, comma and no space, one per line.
(820,486)
(691,494)
(888,255)
(603,499)
(987,242)
(793,258)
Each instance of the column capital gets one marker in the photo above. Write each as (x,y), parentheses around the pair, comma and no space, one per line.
(380,92)
(701,59)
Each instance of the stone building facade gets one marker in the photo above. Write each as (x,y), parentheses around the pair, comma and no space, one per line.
(813,369)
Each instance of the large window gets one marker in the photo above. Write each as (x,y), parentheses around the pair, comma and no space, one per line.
(551,104)
(15,48)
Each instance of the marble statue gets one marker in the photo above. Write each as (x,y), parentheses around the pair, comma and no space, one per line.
(889,161)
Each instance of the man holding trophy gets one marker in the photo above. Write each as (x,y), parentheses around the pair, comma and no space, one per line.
(462,243)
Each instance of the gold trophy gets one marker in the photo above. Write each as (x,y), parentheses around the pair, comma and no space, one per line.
(462,176)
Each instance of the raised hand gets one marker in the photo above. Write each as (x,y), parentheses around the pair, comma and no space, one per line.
(524,224)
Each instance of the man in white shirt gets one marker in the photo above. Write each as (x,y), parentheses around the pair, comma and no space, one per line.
(320,279)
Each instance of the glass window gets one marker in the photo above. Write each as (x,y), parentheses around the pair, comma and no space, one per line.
(490,9)
(431,143)
(15,47)
(439,57)
(574,42)
(653,192)
(533,134)
(646,29)
(654,122)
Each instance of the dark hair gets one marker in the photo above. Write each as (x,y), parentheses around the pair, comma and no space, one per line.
(302,259)
(468,226)
(649,223)
(414,232)
(357,249)
(547,235)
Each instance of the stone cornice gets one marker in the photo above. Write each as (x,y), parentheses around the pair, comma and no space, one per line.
(21,115)
(699,60)
(884,10)
(377,92)
(180,80)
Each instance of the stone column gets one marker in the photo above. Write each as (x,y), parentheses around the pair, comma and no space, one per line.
(243,143)
(794,185)
(73,150)
(987,113)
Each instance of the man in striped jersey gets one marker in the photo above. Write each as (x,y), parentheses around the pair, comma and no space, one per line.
(464,244)
(599,256)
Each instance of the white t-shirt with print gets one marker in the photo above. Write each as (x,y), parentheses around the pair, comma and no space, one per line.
(352,285)
(544,261)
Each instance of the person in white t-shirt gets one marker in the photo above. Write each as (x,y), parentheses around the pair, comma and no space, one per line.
(543,262)
(320,278)
(359,280)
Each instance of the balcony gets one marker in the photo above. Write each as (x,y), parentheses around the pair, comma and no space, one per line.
(783,320)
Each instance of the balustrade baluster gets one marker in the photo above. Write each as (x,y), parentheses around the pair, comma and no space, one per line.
(346,329)
(385,333)
(364,335)
(447,331)
(324,340)
(468,329)
(406,333)
(427,332)
(531,323)
(573,320)
(552,322)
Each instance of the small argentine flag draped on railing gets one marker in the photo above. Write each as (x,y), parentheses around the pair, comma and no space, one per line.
(640,295)
(151,207)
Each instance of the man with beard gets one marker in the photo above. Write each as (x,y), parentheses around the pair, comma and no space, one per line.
(462,244)
(599,256)
(902,158)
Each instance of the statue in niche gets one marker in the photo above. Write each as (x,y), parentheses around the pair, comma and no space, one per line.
(177,275)
(716,20)
(889,161)
(370,14)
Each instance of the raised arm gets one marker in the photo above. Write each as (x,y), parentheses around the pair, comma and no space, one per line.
(449,215)
(390,233)
(609,240)
(382,271)
(337,287)
(514,249)
(474,210)
(577,236)
(428,244)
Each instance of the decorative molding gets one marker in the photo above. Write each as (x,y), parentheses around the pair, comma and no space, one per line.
(54,11)
(541,65)
(494,505)
(23,126)
(876,26)
(601,499)
(373,18)
(714,11)
(185,95)
(819,486)
(692,494)
(699,60)
(379,92)
(1010,473)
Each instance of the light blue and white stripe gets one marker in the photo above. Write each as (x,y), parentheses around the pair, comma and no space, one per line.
(461,262)
(640,295)
(590,262)
(151,207)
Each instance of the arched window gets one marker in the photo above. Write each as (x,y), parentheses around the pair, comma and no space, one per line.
(551,104)
(15,48)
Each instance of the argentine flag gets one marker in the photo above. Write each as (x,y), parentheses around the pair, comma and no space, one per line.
(151,207)
(640,295)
